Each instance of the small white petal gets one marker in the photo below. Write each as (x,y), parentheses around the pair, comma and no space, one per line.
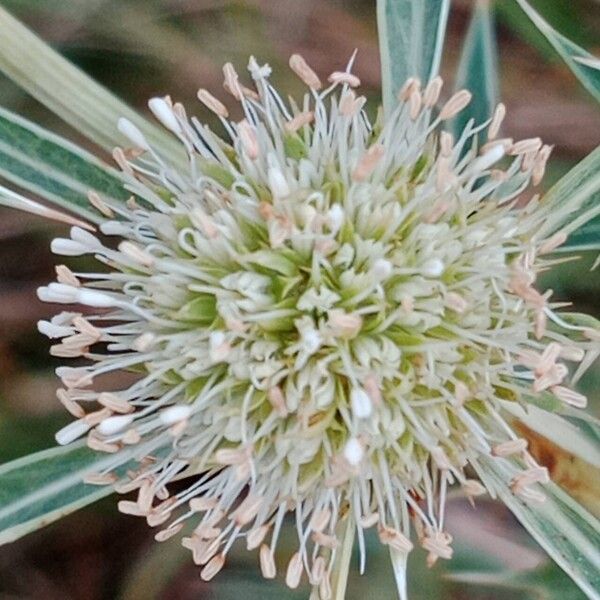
(490,158)
(335,217)
(114,228)
(66,247)
(53,331)
(112,425)
(164,113)
(84,237)
(94,298)
(362,407)
(277,182)
(353,451)
(58,292)
(381,269)
(175,414)
(433,267)
(311,341)
(71,432)
(131,132)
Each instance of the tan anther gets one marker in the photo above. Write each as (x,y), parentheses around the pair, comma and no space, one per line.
(255,538)
(99,204)
(231,83)
(249,139)
(247,510)
(509,448)
(267,562)
(344,78)
(212,103)
(306,74)
(75,409)
(525,146)
(432,91)
(455,104)
(569,396)
(115,403)
(415,102)
(100,478)
(552,243)
(213,567)
(497,120)
(299,121)
(93,418)
(169,532)
(407,89)
(395,539)
(65,275)
(446,143)
(294,571)
(368,162)
(136,254)
(277,400)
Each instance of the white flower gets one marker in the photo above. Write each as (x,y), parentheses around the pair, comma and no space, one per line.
(326,316)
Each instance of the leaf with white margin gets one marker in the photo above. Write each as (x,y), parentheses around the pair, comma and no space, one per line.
(411,40)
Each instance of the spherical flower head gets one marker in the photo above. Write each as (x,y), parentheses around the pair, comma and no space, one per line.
(325,317)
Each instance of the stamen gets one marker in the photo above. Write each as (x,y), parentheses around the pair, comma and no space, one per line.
(455,104)
(306,74)
(212,103)
(343,78)
(496,122)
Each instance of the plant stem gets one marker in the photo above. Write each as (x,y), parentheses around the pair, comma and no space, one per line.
(342,562)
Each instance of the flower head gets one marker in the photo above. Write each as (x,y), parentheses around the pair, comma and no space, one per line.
(325,317)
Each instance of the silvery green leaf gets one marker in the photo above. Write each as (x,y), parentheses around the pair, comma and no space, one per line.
(68,91)
(573,205)
(578,439)
(566,531)
(586,237)
(43,487)
(478,68)
(411,40)
(584,65)
(13,200)
(54,168)
(546,582)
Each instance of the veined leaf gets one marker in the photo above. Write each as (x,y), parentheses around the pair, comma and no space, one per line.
(411,40)
(583,64)
(42,487)
(586,237)
(70,93)
(574,201)
(478,68)
(576,440)
(55,168)
(14,200)
(546,582)
(566,531)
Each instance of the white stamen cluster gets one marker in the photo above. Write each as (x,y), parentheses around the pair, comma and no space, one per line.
(327,318)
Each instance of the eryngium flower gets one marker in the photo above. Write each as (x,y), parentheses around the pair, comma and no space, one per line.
(326,317)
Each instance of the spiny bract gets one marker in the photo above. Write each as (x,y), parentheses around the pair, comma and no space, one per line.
(326,317)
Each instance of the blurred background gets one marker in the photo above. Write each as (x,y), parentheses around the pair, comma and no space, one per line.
(144,48)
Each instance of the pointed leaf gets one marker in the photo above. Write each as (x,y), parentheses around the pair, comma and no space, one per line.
(586,237)
(67,91)
(13,200)
(565,530)
(411,40)
(574,201)
(54,168)
(478,68)
(583,64)
(40,488)
(577,439)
